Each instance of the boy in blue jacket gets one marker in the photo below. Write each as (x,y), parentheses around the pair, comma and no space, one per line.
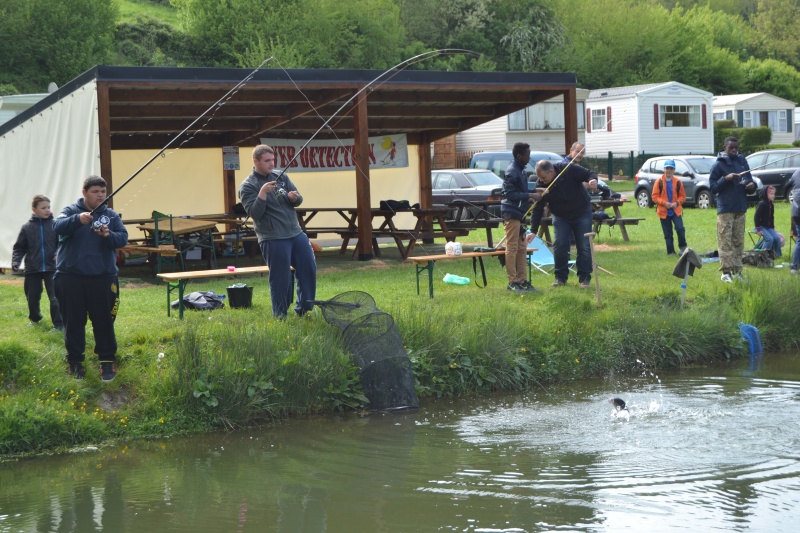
(37,244)
(86,276)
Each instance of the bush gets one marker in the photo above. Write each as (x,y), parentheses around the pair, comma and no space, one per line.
(750,139)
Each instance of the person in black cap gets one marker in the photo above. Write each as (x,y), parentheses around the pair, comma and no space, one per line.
(669,195)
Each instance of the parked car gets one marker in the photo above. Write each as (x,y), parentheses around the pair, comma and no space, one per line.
(498,162)
(775,167)
(466,184)
(693,171)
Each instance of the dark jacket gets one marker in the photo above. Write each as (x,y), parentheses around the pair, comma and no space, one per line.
(731,195)
(274,218)
(516,196)
(83,252)
(567,197)
(794,197)
(37,243)
(765,215)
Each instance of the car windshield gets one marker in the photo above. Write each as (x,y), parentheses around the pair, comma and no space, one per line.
(538,156)
(701,165)
(484,178)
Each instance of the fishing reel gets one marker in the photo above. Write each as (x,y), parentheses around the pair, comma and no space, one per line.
(97,225)
(280,192)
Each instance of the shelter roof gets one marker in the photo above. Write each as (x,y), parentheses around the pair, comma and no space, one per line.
(149,106)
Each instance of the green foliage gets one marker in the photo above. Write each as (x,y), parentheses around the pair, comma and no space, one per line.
(8,89)
(775,34)
(774,77)
(17,363)
(149,42)
(53,40)
(750,139)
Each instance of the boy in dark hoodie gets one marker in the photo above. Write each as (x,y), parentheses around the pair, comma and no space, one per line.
(86,276)
(37,243)
(764,220)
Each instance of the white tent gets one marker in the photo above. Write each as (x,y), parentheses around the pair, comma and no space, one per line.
(50,153)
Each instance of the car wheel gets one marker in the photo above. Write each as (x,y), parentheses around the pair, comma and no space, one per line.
(703,200)
(643,199)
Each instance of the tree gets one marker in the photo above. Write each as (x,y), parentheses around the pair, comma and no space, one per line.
(53,40)
(776,33)
(774,77)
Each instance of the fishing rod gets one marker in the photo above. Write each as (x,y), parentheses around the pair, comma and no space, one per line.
(766,164)
(215,105)
(397,69)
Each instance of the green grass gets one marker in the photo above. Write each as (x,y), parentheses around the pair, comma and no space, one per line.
(129,10)
(239,367)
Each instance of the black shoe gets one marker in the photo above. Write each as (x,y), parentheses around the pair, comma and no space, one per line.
(107,372)
(76,370)
(528,287)
(516,287)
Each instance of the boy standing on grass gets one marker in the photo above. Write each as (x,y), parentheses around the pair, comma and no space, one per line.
(86,276)
(669,195)
(37,243)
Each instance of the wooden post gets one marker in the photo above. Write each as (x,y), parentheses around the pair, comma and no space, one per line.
(363,200)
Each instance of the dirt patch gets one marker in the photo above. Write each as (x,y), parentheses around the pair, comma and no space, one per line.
(12,281)
(114,400)
(608,248)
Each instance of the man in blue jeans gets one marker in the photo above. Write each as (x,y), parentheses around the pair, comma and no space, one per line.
(794,199)
(571,209)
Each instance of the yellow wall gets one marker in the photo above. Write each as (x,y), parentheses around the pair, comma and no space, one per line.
(190,182)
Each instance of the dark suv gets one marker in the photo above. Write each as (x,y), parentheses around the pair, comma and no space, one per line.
(693,171)
(498,162)
(775,167)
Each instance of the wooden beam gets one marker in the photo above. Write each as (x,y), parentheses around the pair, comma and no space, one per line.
(363,198)
(424,168)
(104,134)
(570,118)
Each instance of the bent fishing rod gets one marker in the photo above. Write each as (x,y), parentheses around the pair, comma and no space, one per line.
(213,106)
(767,164)
(397,69)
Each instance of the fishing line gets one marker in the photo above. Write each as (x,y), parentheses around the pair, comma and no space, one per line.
(215,106)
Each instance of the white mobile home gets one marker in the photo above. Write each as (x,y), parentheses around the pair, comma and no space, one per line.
(658,118)
(758,109)
(540,125)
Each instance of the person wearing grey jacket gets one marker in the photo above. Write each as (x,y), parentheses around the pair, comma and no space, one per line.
(794,200)
(269,198)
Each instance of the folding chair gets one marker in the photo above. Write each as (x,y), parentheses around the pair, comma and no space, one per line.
(542,259)
(757,243)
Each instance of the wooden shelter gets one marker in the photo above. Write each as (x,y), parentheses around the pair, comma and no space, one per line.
(148,107)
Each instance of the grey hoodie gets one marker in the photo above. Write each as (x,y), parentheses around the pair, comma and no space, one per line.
(274,218)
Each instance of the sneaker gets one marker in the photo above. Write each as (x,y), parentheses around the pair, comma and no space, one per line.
(107,372)
(739,277)
(528,287)
(76,370)
(792,271)
(58,328)
(558,283)
(586,285)
(516,287)
(726,278)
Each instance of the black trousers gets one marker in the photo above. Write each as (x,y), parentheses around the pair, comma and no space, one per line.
(33,293)
(96,297)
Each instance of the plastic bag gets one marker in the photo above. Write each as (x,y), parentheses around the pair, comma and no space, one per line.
(455,280)
(453,248)
(201,300)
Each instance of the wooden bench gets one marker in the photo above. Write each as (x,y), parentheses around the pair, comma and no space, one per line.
(178,280)
(412,236)
(427,262)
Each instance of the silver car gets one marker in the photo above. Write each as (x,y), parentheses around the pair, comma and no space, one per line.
(693,171)
(470,185)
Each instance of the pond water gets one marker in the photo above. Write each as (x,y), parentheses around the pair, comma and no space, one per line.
(701,450)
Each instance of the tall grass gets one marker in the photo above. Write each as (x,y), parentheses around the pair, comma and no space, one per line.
(234,368)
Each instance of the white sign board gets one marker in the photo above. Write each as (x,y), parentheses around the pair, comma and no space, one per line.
(386,151)
(230,157)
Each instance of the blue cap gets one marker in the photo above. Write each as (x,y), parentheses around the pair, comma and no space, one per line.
(669,163)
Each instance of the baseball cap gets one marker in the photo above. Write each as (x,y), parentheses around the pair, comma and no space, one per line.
(669,163)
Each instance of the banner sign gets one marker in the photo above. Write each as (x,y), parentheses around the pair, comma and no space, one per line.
(386,151)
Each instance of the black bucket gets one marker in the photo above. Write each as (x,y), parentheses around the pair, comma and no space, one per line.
(240,296)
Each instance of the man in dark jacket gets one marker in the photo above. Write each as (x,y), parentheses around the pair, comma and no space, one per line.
(730,180)
(571,208)
(513,207)
(794,200)
(86,276)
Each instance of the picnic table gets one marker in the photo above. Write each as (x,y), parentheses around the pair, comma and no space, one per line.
(430,223)
(472,215)
(597,205)
(183,234)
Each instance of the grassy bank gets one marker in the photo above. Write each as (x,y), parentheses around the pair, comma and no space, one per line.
(234,368)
